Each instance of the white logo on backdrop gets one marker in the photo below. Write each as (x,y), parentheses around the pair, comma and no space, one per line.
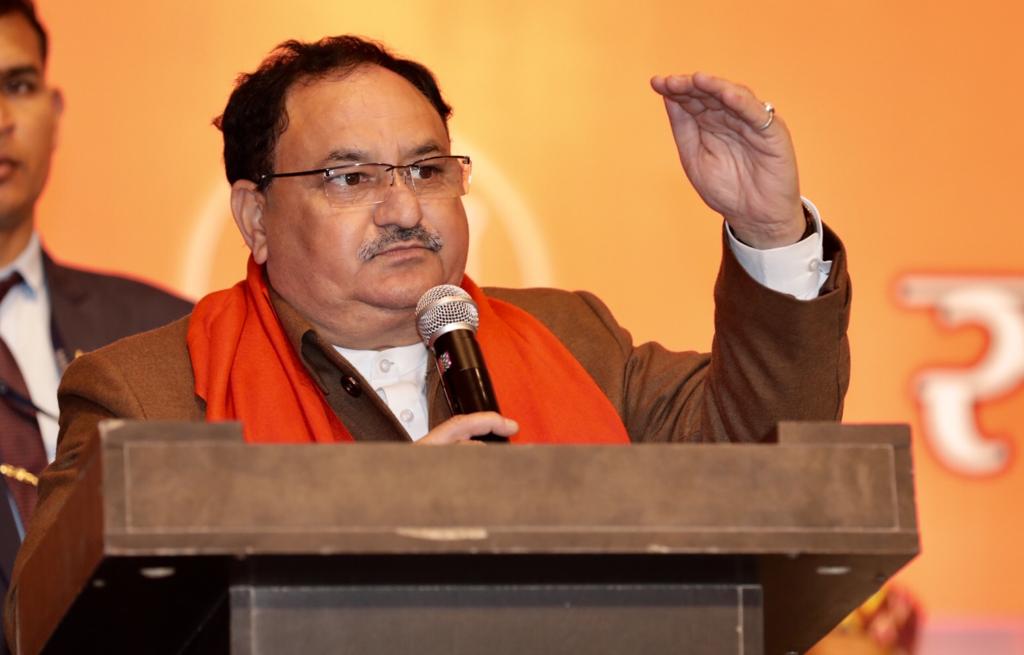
(950,396)
(493,201)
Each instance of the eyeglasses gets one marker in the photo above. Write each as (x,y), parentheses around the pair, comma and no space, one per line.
(362,185)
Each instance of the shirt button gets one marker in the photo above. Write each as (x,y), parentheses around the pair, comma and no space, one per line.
(351,385)
(406,415)
(385,365)
(814,265)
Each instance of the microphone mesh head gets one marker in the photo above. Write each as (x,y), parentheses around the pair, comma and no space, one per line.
(443,306)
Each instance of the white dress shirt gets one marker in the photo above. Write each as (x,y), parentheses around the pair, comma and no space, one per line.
(25,328)
(399,374)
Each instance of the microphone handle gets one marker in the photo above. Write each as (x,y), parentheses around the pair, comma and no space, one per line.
(464,377)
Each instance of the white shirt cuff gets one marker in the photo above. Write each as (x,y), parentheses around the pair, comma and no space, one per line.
(797,270)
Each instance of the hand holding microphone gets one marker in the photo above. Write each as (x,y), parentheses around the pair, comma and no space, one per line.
(447,319)
(471,430)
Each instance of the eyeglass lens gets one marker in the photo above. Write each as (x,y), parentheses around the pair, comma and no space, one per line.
(369,184)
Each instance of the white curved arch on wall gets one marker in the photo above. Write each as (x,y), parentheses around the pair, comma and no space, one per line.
(197,263)
(493,196)
(493,199)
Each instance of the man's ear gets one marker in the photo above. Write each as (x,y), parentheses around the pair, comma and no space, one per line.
(57,98)
(247,206)
(57,106)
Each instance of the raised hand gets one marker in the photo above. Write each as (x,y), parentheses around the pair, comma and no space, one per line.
(738,156)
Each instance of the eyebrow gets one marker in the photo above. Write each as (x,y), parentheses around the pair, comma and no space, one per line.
(356,156)
(346,156)
(20,71)
(428,148)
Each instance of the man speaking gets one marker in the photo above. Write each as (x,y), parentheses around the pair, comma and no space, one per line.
(348,195)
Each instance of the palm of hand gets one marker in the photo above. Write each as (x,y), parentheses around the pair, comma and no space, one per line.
(744,172)
(736,172)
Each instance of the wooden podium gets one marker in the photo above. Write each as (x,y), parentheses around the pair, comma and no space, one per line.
(179,538)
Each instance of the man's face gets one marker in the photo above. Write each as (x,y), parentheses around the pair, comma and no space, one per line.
(28,121)
(317,255)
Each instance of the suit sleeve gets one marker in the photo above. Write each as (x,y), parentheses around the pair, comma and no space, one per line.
(91,390)
(773,358)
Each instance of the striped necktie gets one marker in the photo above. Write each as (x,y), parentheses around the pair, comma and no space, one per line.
(21,444)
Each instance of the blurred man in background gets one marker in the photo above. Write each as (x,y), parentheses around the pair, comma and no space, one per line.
(48,312)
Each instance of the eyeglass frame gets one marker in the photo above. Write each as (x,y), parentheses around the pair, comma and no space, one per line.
(265,179)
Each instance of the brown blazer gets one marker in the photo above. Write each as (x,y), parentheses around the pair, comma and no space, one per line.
(774,358)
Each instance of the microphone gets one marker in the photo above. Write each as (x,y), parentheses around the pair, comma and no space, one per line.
(447,319)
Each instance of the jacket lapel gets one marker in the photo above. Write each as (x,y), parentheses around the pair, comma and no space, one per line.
(69,328)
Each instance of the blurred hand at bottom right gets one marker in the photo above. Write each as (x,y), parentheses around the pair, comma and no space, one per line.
(886,624)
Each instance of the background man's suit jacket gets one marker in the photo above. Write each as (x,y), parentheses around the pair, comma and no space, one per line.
(88,311)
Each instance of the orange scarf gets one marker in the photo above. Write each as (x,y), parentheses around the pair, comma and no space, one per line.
(245,369)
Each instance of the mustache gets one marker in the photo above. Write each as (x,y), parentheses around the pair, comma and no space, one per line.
(430,240)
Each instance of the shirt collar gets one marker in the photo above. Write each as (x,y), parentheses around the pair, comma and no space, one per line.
(29,263)
(390,362)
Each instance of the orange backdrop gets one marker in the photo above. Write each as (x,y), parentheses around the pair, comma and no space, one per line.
(908,120)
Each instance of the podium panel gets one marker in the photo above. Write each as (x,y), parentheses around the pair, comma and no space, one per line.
(180,538)
(511,620)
